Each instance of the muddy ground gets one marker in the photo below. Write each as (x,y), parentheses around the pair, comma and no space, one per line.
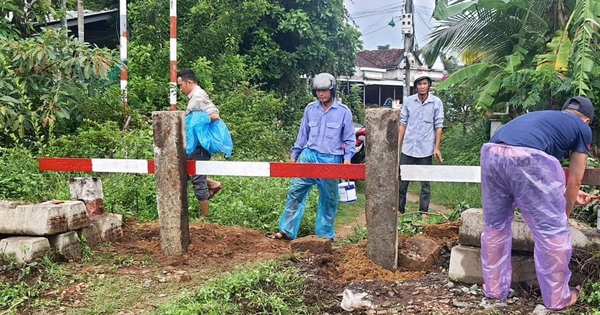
(217,247)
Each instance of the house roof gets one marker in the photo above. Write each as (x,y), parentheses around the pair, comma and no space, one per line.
(388,58)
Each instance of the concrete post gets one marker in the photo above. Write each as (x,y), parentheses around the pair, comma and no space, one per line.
(171,181)
(382,186)
(88,190)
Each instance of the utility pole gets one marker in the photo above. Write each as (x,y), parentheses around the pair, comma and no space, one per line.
(80,20)
(409,38)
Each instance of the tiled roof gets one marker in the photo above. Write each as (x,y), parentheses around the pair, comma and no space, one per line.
(385,59)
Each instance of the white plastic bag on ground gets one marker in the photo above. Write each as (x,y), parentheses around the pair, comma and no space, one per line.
(352,301)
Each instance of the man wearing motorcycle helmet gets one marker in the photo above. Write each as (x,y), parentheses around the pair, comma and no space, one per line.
(326,135)
(420,134)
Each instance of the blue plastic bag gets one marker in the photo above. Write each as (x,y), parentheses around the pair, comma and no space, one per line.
(213,136)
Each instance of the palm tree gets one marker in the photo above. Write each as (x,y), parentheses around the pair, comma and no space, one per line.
(511,38)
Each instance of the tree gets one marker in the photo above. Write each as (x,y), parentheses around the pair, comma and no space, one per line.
(510,37)
(47,76)
(274,42)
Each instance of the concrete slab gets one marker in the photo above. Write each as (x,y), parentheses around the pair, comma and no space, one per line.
(32,221)
(75,211)
(91,235)
(465,266)
(471,228)
(24,249)
(109,227)
(66,244)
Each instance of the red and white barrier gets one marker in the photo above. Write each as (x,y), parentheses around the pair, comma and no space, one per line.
(431,173)
(250,169)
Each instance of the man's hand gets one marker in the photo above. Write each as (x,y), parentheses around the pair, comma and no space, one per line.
(584,198)
(437,154)
(292,160)
(347,162)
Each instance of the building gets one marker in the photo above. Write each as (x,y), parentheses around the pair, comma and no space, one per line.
(100,27)
(380,74)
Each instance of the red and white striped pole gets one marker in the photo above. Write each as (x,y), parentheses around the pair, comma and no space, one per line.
(123,31)
(173,54)
(221,168)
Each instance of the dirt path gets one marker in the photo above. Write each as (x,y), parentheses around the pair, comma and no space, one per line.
(361,220)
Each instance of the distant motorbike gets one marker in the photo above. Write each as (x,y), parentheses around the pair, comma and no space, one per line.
(361,135)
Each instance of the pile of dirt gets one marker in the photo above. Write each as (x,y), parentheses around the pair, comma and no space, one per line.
(211,244)
(214,247)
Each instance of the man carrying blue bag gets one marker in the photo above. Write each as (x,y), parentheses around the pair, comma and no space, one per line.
(206,135)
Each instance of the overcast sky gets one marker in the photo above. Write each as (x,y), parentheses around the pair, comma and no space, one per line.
(373,16)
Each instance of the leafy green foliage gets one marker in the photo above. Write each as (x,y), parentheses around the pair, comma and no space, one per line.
(529,56)
(46,77)
(253,117)
(354,101)
(265,289)
(461,142)
(20,178)
(265,42)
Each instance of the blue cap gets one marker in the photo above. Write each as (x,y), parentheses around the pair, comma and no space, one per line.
(582,105)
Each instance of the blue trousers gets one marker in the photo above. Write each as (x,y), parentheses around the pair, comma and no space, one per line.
(327,206)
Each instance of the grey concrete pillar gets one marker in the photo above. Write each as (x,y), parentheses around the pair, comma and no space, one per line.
(382,186)
(171,181)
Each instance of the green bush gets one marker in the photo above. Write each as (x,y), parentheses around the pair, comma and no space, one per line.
(461,143)
(257,203)
(21,179)
(252,117)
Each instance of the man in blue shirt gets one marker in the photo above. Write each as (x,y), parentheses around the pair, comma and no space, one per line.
(420,134)
(326,135)
(520,168)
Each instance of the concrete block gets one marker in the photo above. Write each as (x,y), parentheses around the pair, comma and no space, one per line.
(75,211)
(88,190)
(91,235)
(418,253)
(109,227)
(47,218)
(24,249)
(465,266)
(471,228)
(381,171)
(66,244)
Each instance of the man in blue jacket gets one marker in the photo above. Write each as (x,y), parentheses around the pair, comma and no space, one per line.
(326,135)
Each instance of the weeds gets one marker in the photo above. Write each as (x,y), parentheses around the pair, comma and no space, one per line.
(267,288)
(27,281)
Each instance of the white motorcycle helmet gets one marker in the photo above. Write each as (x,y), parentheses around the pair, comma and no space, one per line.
(324,81)
(421,76)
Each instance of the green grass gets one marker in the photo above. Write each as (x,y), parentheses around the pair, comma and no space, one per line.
(452,195)
(266,288)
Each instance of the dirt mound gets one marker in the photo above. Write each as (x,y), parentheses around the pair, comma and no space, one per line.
(210,244)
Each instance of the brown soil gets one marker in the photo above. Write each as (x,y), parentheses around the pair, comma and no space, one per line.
(217,248)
